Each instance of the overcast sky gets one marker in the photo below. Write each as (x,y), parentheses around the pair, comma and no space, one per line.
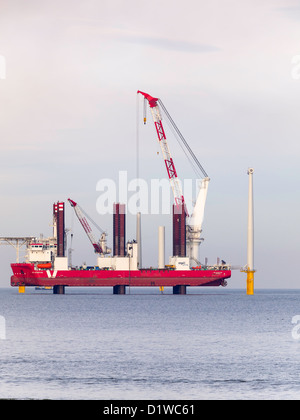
(227,71)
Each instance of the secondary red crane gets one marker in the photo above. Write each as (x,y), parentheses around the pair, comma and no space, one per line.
(81,217)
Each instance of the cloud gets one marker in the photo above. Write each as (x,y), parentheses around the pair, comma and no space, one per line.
(92,32)
(168,44)
(292,12)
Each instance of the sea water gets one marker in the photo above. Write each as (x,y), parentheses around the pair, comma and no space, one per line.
(213,343)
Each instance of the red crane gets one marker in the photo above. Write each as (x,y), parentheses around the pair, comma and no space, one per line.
(172,174)
(194,225)
(86,226)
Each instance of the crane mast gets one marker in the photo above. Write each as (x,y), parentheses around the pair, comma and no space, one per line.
(194,222)
(100,246)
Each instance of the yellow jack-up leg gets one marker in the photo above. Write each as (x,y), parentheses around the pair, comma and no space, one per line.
(250,282)
(21,289)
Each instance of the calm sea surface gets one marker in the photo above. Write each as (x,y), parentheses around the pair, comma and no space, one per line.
(213,343)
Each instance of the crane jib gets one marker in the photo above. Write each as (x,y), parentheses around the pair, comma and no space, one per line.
(152,101)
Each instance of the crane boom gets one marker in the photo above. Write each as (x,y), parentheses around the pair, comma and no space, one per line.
(162,139)
(86,226)
(194,223)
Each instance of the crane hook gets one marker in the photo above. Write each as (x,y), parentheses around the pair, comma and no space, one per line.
(145,110)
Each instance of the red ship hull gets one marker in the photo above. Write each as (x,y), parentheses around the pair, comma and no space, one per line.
(26,275)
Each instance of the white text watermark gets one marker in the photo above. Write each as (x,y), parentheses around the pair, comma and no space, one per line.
(140,195)
(295,72)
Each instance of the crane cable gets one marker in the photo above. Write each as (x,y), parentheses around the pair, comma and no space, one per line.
(183,140)
(192,163)
(138,143)
(91,220)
